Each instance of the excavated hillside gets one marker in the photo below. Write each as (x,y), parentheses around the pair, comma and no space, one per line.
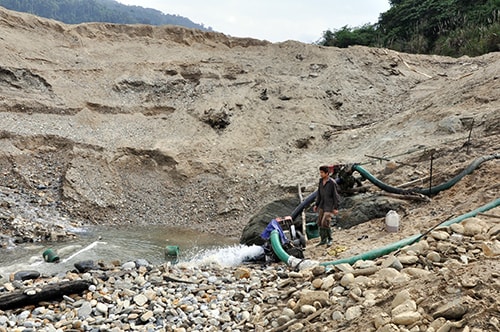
(140,124)
(119,124)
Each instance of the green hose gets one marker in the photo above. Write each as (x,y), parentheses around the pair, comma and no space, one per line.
(378,252)
(428,191)
(294,262)
(410,240)
(277,248)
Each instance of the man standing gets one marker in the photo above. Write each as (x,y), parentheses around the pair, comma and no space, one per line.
(327,204)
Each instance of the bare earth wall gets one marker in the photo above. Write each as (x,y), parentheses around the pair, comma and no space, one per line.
(119,124)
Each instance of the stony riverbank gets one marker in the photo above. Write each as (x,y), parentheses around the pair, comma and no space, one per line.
(400,292)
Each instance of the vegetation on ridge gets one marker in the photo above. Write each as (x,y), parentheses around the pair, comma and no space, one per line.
(79,11)
(444,27)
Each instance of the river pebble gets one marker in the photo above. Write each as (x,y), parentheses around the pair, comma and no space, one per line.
(182,297)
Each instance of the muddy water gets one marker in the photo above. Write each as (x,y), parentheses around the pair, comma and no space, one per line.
(125,244)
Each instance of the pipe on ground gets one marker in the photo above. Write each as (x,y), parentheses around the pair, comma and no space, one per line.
(291,261)
(427,191)
(372,254)
(410,240)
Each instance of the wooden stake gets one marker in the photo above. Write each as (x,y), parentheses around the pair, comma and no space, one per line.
(430,175)
(387,159)
(489,215)
(412,197)
(303,214)
(421,180)
(470,133)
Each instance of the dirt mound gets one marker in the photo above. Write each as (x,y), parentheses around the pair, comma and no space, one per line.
(156,117)
(117,124)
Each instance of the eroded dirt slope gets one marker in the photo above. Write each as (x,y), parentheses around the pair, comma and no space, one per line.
(117,124)
(148,124)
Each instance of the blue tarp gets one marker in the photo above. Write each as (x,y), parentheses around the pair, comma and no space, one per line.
(274,225)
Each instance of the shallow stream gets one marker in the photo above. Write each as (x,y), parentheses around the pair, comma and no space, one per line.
(107,244)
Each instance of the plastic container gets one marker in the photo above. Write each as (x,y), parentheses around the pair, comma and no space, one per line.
(312,230)
(392,221)
(172,253)
(50,256)
(293,234)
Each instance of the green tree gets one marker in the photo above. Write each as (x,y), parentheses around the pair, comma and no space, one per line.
(365,35)
(448,27)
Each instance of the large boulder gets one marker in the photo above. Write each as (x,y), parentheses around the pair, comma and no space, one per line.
(353,210)
(358,209)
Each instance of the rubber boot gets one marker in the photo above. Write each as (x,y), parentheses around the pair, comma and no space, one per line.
(323,234)
(329,239)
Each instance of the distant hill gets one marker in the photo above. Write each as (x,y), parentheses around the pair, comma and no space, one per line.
(110,11)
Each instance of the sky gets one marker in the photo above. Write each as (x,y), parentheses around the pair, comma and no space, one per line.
(272,20)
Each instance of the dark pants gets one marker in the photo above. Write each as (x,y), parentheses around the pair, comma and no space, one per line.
(324,218)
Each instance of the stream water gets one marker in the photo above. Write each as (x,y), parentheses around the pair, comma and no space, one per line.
(149,242)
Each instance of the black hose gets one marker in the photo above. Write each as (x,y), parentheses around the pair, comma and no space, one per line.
(429,191)
(306,202)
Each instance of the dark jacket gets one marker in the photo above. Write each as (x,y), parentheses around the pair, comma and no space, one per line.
(328,196)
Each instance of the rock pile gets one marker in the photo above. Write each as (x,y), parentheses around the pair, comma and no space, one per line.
(440,283)
(24,222)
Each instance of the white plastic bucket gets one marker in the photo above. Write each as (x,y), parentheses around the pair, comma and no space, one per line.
(392,221)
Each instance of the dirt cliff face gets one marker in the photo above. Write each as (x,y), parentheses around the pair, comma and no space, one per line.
(113,123)
(117,124)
